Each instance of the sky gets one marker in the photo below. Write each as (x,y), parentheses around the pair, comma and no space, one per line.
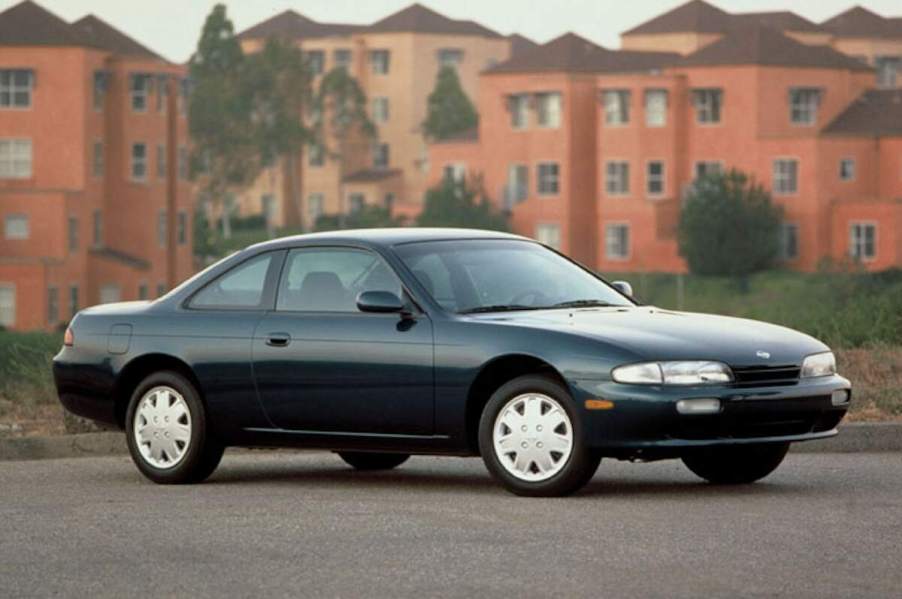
(171,27)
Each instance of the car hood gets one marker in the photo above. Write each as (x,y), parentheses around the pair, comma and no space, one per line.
(655,334)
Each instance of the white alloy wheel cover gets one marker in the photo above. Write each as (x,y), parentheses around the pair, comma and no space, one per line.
(162,427)
(533,437)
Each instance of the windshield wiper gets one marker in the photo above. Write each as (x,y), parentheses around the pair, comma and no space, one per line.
(583,303)
(500,308)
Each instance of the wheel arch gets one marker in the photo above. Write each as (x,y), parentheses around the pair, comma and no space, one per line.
(140,368)
(492,375)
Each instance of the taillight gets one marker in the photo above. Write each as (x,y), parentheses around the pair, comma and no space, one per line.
(68,338)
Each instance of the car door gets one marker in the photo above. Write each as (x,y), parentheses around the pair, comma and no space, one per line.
(322,365)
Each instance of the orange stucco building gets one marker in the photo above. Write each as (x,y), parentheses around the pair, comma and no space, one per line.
(592,150)
(93,152)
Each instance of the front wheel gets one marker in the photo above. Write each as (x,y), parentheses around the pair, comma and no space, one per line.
(736,465)
(167,433)
(361,460)
(531,439)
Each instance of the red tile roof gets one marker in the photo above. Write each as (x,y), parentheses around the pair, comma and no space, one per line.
(876,113)
(520,44)
(27,24)
(105,36)
(416,18)
(698,16)
(292,25)
(859,22)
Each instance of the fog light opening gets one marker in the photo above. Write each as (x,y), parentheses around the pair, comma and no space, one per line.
(840,397)
(698,406)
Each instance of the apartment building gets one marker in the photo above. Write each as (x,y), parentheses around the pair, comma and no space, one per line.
(395,60)
(592,150)
(93,154)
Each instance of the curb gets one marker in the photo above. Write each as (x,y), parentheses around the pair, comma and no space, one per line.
(853,438)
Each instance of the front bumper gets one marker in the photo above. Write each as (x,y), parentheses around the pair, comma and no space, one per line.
(644,420)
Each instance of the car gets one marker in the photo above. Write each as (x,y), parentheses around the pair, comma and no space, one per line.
(379,344)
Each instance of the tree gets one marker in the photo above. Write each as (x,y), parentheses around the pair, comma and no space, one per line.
(729,226)
(370,216)
(449,110)
(455,204)
(225,152)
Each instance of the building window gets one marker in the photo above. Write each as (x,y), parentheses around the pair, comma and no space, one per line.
(703,168)
(16,226)
(98,164)
(786,177)
(518,106)
(182,158)
(162,228)
(109,293)
(316,61)
(803,105)
(139,89)
(549,110)
(15,158)
(73,300)
(7,304)
(863,241)
(98,228)
(617,178)
(655,107)
(450,57)
(380,110)
(455,173)
(315,206)
(73,234)
(53,305)
(101,83)
(161,161)
(548,178)
(517,183)
(789,241)
(182,228)
(654,178)
(16,88)
(139,162)
(549,234)
(162,92)
(617,241)
(616,106)
(341,58)
(316,155)
(380,156)
(380,61)
(708,105)
(847,169)
(356,201)
(888,68)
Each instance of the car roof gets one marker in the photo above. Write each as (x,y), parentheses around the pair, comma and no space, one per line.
(385,237)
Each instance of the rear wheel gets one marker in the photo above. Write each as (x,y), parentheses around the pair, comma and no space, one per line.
(736,465)
(361,460)
(531,439)
(167,433)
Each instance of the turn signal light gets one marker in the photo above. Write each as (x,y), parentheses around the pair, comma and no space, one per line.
(68,338)
(599,404)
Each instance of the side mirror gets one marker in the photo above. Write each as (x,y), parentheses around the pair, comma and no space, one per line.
(623,287)
(379,301)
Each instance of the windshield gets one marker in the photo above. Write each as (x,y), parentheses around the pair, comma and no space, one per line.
(496,275)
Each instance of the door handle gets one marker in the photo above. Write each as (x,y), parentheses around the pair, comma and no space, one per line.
(278,339)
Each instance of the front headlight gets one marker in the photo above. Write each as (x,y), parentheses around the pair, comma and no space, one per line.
(819,365)
(673,373)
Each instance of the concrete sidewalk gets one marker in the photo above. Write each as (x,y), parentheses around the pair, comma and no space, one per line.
(853,438)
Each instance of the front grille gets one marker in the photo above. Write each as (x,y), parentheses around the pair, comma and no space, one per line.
(765,376)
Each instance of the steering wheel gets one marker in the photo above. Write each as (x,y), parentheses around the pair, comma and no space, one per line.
(520,298)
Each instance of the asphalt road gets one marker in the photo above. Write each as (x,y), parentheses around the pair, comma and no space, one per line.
(280,524)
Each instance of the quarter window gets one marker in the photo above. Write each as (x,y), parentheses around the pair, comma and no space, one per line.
(240,288)
(656,107)
(548,178)
(786,177)
(708,105)
(15,159)
(617,241)
(803,105)
(616,106)
(16,88)
(549,110)
(330,279)
(617,178)
(863,241)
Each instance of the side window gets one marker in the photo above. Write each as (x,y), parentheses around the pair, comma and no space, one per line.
(241,287)
(330,279)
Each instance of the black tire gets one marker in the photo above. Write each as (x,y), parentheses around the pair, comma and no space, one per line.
(582,462)
(362,460)
(204,452)
(736,465)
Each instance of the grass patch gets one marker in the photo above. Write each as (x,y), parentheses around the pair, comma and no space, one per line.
(28,402)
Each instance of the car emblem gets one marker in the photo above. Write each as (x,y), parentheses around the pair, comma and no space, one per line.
(762,354)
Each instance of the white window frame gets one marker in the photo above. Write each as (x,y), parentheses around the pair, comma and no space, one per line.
(781,179)
(8,290)
(549,108)
(623,190)
(138,163)
(9,88)
(618,257)
(662,178)
(855,243)
(515,193)
(20,219)
(556,179)
(804,103)
(543,228)
(139,94)
(381,109)
(616,104)
(661,112)
(16,158)
(853,167)
(518,106)
(706,109)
